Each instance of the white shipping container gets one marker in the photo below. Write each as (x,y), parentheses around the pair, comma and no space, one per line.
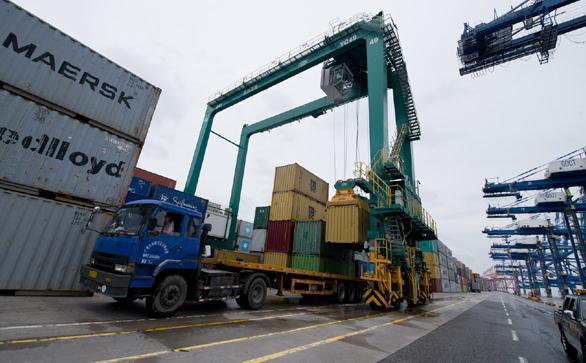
(567,167)
(43,243)
(244,229)
(41,60)
(549,198)
(259,237)
(45,149)
(220,221)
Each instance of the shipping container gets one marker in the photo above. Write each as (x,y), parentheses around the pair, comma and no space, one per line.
(347,218)
(280,236)
(292,206)
(296,178)
(179,198)
(43,242)
(277,259)
(261,217)
(220,220)
(436,285)
(243,244)
(139,186)
(244,229)
(309,237)
(308,262)
(45,149)
(39,59)
(428,246)
(154,178)
(259,238)
(445,285)
(237,255)
(339,266)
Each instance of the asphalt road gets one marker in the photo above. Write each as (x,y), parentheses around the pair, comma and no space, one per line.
(502,328)
(47,329)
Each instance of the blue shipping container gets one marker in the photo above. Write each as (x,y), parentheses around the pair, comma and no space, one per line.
(140,186)
(179,198)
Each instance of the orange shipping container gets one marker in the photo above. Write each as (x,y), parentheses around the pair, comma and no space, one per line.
(277,259)
(347,218)
(291,206)
(296,178)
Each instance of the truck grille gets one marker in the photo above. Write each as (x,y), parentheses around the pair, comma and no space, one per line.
(106,261)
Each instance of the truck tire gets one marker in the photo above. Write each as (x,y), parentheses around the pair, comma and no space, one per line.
(350,293)
(568,348)
(341,293)
(168,296)
(255,296)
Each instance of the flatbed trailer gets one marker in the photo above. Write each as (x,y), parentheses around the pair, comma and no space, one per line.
(345,289)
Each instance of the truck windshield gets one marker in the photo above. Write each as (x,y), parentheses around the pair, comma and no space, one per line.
(129,220)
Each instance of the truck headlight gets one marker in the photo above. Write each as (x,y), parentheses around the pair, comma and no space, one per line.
(124,268)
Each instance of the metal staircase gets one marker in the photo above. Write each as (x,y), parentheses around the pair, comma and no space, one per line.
(397,62)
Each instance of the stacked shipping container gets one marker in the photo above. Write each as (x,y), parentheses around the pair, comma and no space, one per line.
(72,124)
(298,195)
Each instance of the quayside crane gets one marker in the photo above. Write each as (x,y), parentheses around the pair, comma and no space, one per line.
(555,197)
(531,27)
(360,57)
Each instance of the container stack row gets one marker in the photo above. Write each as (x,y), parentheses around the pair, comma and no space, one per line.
(447,273)
(70,136)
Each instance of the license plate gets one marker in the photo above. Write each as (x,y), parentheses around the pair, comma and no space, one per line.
(92,274)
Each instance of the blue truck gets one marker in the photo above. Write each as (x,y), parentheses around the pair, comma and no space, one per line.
(155,249)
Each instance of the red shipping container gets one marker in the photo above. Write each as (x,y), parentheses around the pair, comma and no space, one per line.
(280,236)
(154,178)
(436,285)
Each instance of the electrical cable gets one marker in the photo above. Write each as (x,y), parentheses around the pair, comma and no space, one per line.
(334,141)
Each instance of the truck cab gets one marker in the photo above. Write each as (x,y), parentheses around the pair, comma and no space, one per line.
(571,321)
(152,250)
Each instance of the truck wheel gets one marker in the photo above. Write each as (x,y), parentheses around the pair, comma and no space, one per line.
(256,295)
(125,300)
(341,293)
(350,293)
(568,348)
(168,296)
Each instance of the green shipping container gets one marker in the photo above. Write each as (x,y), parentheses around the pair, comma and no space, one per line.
(308,262)
(261,217)
(309,238)
(340,267)
(427,246)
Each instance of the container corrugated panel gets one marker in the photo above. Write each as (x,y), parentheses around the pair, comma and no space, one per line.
(443,260)
(42,242)
(179,198)
(140,186)
(155,178)
(308,262)
(347,224)
(243,244)
(280,236)
(45,149)
(340,266)
(309,237)
(277,259)
(245,229)
(259,238)
(427,246)
(42,61)
(296,178)
(292,206)
(436,285)
(261,217)
(237,256)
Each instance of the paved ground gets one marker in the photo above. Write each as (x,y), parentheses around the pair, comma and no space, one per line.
(502,328)
(96,329)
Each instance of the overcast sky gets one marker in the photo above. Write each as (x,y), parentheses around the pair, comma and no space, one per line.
(513,118)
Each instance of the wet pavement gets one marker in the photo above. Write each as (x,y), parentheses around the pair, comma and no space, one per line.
(89,329)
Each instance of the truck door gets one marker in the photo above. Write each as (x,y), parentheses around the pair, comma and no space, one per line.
(163,239)
(192,237)
(571,325)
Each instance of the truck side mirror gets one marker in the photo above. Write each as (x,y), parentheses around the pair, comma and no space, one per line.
(207,227)
(569,314)
(88,224)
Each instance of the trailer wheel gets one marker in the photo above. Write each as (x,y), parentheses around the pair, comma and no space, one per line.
(168,296)
(341,293)
(256,295)
(350,293)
